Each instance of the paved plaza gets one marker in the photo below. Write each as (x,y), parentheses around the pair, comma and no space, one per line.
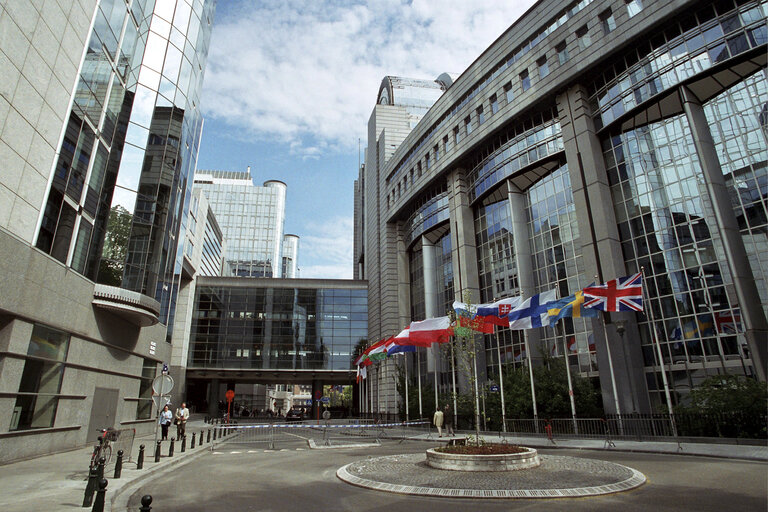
(291,475)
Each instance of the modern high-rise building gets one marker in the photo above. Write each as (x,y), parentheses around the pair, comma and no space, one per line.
(290,256)
(100,117)
(592,140)
(252,219)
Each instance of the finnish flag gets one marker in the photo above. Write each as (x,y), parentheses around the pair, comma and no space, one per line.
(532,312)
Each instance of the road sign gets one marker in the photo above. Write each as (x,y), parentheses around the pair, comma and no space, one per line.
(162,385)
(161,400)
(494,388)
(230,394)
(165,368)
(325,400)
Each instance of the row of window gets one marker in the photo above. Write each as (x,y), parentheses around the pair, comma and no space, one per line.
(507,95)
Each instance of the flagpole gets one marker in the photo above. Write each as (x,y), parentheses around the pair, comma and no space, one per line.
(501,385)
(530,375)
(434,355)
(407,412)
(667,394)
(570,383)
(418,368)
(453,378)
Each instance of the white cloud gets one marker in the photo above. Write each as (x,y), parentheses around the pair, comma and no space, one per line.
(291,71)
(329,248)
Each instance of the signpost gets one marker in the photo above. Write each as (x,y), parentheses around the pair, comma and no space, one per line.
(494,388)
(161,386)
(230,395)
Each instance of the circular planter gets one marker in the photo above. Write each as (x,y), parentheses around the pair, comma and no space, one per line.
(504,462)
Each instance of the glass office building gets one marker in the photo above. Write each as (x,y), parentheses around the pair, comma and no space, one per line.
(609,139)
(99,134)
(252,219)
(302,331)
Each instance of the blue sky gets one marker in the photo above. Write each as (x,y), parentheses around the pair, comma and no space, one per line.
(290,85)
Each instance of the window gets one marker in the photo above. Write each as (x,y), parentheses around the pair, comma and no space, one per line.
(543,67)
(480,115)
(468,125)
(633,6)
(562,52)
(508,93)
(525,80)
(582,35)
(418,168)
(445,145)
(494,104)
(607,21)
(436,150)
(144,404)
(456,136)
(40,384)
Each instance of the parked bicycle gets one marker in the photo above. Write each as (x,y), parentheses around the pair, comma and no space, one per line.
(104,448)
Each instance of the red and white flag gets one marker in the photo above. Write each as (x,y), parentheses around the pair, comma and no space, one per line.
(429,331)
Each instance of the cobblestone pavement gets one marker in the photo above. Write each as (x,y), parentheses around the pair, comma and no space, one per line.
(556,476)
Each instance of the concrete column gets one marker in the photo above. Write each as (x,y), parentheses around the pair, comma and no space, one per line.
(464,258)
(620,360)
(434,361)
(752,314)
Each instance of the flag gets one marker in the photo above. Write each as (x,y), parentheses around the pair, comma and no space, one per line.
(394,348)
(532,312)
(496,313)
(621,294)
(571,342)
(728,323)
(477,324)
(571,306)
(362,373)
(429,331)
(378,351)
(464,309)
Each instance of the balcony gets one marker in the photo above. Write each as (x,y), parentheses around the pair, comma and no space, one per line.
(134,307)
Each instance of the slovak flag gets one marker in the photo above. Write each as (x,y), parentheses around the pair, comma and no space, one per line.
(532,312)
(621,294)
(497,312)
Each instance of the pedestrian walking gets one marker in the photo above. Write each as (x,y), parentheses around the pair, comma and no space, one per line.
(166,417)
(438,421)
(448,419)
(182,415)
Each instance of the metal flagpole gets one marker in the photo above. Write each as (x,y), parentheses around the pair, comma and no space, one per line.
(405,362)
(610,369)
(649,310)
(453,378)
(434,354)
(530,374)
(418,368)
(570,383)
(501,386)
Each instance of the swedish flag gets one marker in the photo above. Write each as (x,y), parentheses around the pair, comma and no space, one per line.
(571,306)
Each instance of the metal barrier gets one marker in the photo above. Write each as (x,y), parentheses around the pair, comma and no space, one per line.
(636,428)
(336,433)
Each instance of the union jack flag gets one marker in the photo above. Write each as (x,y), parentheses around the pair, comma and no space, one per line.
(621,294)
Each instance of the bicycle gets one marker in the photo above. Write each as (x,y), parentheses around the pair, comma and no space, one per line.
(104,448)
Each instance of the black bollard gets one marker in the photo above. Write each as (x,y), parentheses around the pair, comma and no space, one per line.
(119,464)
(208,440)
(183,443)
(157,452)
(98,503)
(100,467)
(192,443)
(90,487)
(146,501)
(170,448)
(215,431)
(140,460)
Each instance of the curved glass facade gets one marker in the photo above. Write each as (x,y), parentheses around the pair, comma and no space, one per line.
(430,214)
(120,195)
(270,328)
(687,46)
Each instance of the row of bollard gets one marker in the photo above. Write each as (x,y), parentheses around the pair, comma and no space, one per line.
(97,484)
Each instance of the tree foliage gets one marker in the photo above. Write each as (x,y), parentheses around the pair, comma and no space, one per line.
(726,394)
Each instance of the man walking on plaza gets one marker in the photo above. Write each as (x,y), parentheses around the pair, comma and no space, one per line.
(448,419)
(438,421)
(182,415)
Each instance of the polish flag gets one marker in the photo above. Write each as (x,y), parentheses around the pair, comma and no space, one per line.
(429,331)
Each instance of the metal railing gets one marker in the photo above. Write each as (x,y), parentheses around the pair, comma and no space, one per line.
(323,433)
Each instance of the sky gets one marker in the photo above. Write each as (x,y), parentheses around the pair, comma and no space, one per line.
(290,85)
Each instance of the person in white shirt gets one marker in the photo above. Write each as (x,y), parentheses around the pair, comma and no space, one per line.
(166,416)
(182,415)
